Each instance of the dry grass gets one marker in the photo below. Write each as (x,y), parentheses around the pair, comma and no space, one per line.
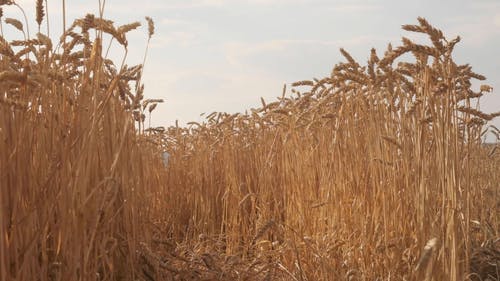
(374,173)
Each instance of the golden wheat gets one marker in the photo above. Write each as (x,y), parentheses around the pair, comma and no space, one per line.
(356,176)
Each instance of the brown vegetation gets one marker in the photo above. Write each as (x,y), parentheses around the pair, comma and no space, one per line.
(374,173)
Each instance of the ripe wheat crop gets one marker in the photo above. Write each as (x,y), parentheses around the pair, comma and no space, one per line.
(376,172)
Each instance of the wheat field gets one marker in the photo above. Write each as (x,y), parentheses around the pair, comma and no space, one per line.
(376,172)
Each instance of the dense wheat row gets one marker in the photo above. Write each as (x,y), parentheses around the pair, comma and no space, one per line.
(374,173)
(76,184)
(350,177)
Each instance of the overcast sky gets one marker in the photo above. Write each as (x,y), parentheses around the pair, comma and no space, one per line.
(223,55)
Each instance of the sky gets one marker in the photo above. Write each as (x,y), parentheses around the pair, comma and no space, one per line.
(223,55)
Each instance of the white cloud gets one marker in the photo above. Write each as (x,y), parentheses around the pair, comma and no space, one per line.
(475,33)
(180,32)
(172,21)
(235,51)
(351,8)
(179,38)
(496,20)
(189,91)
(186,4)
(476,30)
